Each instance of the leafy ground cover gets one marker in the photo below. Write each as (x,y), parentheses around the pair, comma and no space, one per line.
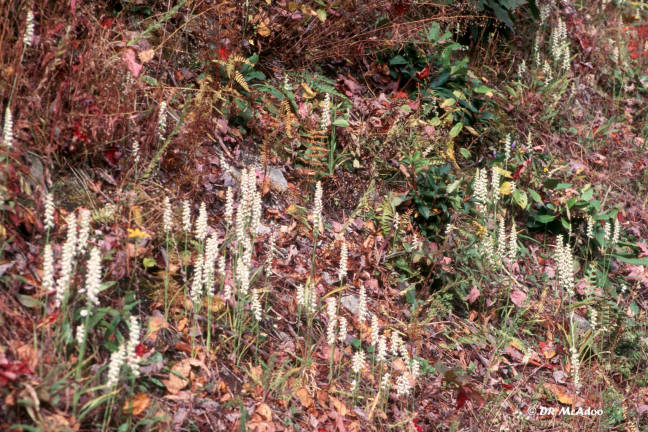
(328,216)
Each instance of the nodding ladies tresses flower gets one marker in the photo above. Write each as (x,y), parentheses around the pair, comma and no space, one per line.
(326,112)
(243,276)
(131,348)
(590,227)
(616,233)
(136,148)
(7,131)
(49,211)
(84,230)
(330,329)
(501,238)
(211,253)
(201,223)
(28,37)
(381,356)
(396,343)
(93,277)
(344,256)
(301,295)
(67,260)
(229,206)
(495,183)
(374,330)
(513,246)
(507,147)
(186,216)
(256,305)
(80,334)
(162,118)
(307,297)
(415,369)
(197,283)
(403,386)
(385,382)
(565,265)
(167,215)
(114,366)
(607,231)
(362,305)
(317,208)
(358,362)
(344,329)
(575,366)
(255,221)
(48,268)
(480,188)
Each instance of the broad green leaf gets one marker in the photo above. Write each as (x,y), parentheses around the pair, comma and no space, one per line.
(465,153)
(520,198)
(545,218)
(148,262)
(341,122)
(456,129)
(29,302)
(534,196)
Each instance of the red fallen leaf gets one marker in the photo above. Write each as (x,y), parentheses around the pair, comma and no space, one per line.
(140,350)
(51,318)
(223,53)
(462,397)
(11,371)
(465,393)
(78,133)
(417,426)
(400,95)
(107,22)
(422,74)
(520,169)
(112,155)
(507,386)
(400,7)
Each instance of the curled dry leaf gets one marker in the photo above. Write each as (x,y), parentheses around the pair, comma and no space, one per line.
(138,404)
(304,397)
(129,58)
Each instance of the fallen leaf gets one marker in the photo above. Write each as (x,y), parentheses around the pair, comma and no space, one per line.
(178,377)
(138,404)
(146,55)
(561,393)
(339,406)
(304,398)
(518,297)
(128,57)
(264,411)
(473,294)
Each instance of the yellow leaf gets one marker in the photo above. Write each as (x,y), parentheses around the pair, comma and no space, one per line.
(561,393)
(304,398)
(309,93)
(136,211)
(146,55)
(138,404)
(137,234)
(505,188)
(448,102)
(263,30)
